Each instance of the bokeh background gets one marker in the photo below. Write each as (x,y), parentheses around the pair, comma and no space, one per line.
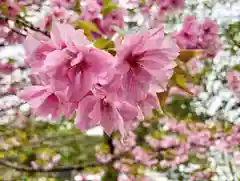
(30,145)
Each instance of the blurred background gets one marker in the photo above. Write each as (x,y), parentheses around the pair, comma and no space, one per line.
(41,149)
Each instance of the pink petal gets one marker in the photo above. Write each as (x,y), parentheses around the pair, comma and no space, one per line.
(82,120)
(30,44)
(55,35)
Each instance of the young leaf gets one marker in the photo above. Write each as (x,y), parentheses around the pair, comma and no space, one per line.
(162,97)
(107,9)
(87,26)
(187,55)
(180,81)
(237,68)
(103,43)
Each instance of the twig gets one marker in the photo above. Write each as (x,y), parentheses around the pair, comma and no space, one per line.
(31,26)
(60,169)
(25,23)
(21,168)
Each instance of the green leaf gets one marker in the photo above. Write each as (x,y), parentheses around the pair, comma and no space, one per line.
(87,26)
(180,81)
(77,7)
(106,2)
(4,8)
(108,8)
(237,68)
(162,97)
(187,55)
(103,43)
(23,8)
(11,60)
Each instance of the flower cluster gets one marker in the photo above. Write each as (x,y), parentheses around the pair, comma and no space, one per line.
(73,76)
(195,35)
(91,10)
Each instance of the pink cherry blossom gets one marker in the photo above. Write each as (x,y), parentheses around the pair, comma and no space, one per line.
(115,18)
(63,3)
(6,68)
(154,143)
(187,38)
(144,59)
(111,114)
(208,30)
(42,100)
(209,38)
(143,157)
(91,10)
(170,5)
(100,2)
(233,81)
(168,142)
(13,9)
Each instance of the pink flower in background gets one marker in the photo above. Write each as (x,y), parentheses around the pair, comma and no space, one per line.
(195,66)
(168,142)
(115,18)
(123,145)
(143,157)
(13,9)
(233,81)
(91,10)
(100,2)
(63,3)
(170,5)
(187,37)
(103,158)
(144,59)
(6,68)
(148,104)
(208,30)
(154,143)
(209,39)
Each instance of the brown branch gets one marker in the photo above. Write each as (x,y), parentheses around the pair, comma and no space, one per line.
(8,164)
(25,23)
(22,168)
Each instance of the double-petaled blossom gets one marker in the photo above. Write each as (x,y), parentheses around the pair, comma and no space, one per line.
(187,37)
(145,59)
(109,112)
(115,18)
(66,62)
(196,35)
(170,5)
(209,38)
(91,10)
(74,76)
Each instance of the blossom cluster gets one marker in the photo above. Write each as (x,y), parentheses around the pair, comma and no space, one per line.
(72,76)
(182,142)
(90,10)
(195,35)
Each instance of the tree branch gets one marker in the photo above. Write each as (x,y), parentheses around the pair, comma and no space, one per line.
(60,169)
(25,23)
(21,168)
